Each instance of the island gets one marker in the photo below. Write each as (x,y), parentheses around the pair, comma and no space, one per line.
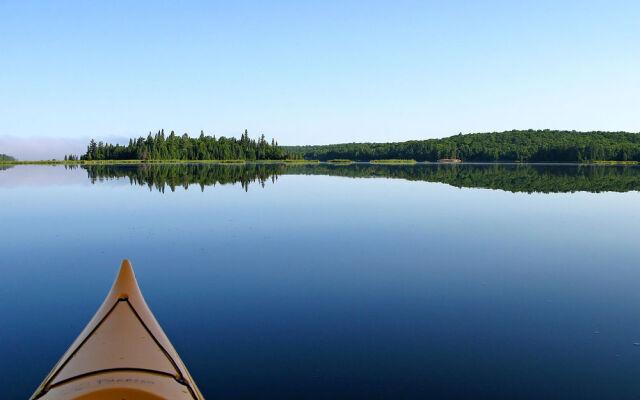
(172,147)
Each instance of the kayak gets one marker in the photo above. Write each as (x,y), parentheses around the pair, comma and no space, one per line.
(122,354)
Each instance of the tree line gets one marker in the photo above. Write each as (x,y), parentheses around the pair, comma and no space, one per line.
(516,145)
(5,157)
(176,147)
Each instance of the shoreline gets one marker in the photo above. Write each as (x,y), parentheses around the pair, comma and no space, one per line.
(293,162)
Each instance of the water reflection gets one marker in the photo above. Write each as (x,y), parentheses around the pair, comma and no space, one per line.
(507,177)
(161,176)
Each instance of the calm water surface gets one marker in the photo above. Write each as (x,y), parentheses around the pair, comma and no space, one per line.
(337,282)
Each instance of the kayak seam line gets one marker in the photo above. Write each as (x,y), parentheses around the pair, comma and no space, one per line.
(166,353)
(179,379)
(107,370)
(47,385)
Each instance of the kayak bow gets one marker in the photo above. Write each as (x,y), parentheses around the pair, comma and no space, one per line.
(122,354)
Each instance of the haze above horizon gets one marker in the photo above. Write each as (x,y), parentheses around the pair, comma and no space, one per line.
(314,72)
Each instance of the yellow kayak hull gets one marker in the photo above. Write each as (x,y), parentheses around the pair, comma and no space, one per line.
(121,354)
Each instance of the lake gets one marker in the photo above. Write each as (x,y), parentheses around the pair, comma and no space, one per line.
(337,281)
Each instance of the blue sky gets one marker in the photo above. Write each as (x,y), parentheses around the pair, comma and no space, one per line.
(315,72)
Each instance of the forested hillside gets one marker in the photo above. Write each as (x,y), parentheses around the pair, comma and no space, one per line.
(4,157)
(174,147)
(529,145)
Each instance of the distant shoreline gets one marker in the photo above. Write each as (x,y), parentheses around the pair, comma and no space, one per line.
(515,145)
(139,162)
(332,162)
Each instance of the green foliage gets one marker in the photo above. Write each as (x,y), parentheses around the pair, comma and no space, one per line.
(340,161)
(529,145)
(173,147)
(616,162)
(4,157)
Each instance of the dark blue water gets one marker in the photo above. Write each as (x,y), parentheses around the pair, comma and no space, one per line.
(292,285)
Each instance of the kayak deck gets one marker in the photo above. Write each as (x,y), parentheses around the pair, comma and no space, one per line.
(121,354)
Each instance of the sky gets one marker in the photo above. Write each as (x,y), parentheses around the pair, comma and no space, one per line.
(307,72)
